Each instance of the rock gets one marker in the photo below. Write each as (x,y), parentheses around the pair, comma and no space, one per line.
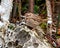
(1,42)
(23,37)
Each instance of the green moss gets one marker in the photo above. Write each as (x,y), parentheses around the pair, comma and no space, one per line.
(36,8)
(11,27)
(43,25)
(57,36)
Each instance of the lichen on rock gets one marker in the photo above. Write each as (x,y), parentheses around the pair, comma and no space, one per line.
(24,37)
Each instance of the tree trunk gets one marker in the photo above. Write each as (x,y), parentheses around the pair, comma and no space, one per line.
(31,6)
(16,11)
(13,13)
(49,17)
(14,7)
(19,8)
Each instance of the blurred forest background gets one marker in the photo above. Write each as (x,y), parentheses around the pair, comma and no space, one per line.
(39,6)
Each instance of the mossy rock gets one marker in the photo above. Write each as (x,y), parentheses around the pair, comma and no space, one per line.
(11,26)
(43,25)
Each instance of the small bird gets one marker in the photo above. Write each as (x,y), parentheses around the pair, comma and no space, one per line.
(32,20)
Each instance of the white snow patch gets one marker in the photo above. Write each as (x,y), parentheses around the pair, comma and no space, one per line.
(2,10)
(5,9)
